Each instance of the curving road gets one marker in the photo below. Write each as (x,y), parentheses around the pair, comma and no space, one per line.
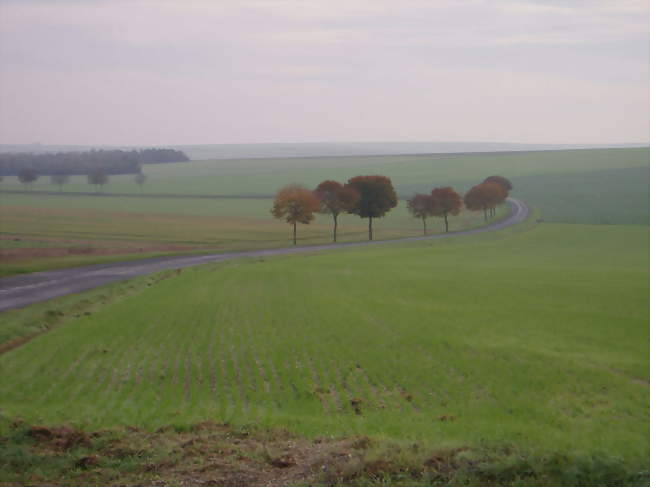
(23,290)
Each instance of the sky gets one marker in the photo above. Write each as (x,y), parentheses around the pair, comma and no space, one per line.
(141,72)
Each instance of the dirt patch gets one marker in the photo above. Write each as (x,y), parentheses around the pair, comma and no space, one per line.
(221,455)
(59,438)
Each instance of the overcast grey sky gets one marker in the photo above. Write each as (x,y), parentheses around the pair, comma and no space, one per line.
(147,72)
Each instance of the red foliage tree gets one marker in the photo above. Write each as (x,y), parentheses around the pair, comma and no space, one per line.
(501,181)
(376,197)
(485,196)
(421,206)
(335,199)
(446,202)
(296,204)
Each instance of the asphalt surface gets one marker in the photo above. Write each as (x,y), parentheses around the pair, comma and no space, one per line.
(23,290)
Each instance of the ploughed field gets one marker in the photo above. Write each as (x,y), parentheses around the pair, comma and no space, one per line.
(536,339)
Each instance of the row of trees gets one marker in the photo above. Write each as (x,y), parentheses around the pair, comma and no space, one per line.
(70,163)
(366,196)
(443,202)
(98,177)
(373,196)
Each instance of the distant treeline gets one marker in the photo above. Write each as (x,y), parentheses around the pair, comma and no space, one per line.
(110,161)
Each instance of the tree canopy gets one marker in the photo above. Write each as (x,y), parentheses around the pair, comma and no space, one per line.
(27,175)
(376,198)
(140,179)
(421,206)
(59,179)
(113,161)
(446,202)
(485,196)
(296,204)
(97,177)
(501,181)
(335,198)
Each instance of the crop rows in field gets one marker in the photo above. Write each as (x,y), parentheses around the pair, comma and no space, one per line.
(499,339)
(223,371)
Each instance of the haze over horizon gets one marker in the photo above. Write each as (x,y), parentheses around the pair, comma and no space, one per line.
(145,72)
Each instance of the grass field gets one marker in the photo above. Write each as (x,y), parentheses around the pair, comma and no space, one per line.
(105,228)
(566,186)
(538,340)
(409,172)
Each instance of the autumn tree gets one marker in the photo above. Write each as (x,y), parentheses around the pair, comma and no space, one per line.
(59,179)
(98,177)
(140,179)
(334,199)
(376,198)
(296,204)
(501,181)
(485,196)
(446,202)
(421,206)
(27,176)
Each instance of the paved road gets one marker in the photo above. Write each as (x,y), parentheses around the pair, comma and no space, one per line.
(23,290)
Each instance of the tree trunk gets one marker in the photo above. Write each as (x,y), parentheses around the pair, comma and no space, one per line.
(294,233)
(485,213)
(336,224)
(446,223)
(369,228)
(424,224)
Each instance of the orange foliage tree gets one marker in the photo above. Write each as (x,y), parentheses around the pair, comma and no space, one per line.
(485,196)
(376,197)
(296,204)
(501,181)
(446,201)
(421,206)
(334,199)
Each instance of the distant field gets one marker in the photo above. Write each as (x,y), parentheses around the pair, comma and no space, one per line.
(566,186)
(71,230)
(255,177)
(538,341)
(42,231)
(609,196)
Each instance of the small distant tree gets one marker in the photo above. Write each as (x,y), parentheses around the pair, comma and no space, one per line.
(27,176)
(98,178)
(501,181)
(334,199)
(296,204)
(140,179)
(446,202)
(376,198)
(421,206)
(485,196)
(59,179)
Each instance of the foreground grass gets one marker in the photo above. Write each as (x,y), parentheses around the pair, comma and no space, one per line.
(481,343)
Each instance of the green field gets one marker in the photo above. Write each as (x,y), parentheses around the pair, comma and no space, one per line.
(536,339)
(566,186)
(140,227)
(263,177)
